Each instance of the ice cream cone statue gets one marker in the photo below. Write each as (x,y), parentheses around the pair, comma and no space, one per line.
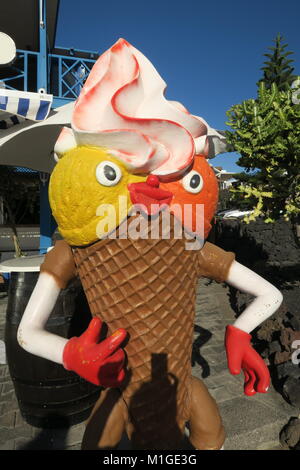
(129,147)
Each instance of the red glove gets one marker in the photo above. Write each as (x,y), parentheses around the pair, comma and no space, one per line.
(102,364)
(241,355)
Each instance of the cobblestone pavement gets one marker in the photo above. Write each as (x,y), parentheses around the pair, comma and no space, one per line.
(250,422)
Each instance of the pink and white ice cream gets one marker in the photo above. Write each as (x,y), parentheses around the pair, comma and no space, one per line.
(122,108)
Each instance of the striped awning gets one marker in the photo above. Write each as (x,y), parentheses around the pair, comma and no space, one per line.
(30,144)
(26,105)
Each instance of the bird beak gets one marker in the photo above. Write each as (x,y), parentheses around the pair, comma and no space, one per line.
(148,196)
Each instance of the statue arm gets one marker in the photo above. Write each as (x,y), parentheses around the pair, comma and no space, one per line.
(240,353)
(99,363)
(32,335)
(267,297)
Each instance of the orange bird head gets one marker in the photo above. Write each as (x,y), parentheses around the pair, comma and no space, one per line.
(195,197)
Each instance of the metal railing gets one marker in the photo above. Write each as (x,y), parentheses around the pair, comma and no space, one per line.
(65,78)
(67,75)
(22,74)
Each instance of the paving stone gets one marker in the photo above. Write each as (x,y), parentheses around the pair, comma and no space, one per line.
(270,445)
(75,433)
(75,447)
(256,438)
(8,445)
(3,359)
(12,404)
(206,350)
(219,336)
(216,368)
(7,387)
(220,350)
(22,443)
(7,397)
(205,310)
(19,419)
(275,401)
(248,413)
(8,419)
(235,388)
(13,433)
(4,370)
(220,394)
(5,378)
(22,424)
(217,358)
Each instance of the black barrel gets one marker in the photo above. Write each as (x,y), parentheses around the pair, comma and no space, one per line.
(48,395)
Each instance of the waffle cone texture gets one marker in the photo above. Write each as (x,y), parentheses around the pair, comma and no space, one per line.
(147,286)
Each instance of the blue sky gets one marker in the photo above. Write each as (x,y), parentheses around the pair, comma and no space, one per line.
(208,52)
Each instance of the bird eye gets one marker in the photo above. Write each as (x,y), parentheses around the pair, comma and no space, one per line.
(108,173)
(193,182)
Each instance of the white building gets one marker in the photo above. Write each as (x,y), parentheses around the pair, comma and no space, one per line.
(225,178)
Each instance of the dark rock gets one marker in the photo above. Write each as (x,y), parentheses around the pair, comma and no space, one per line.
(290,434)
(273,325)
(281,357)
(287,338)
(295,323)
(291,390)
(287,369)
(274,347)
(266,247)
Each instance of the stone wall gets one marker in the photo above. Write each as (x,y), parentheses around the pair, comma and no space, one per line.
(272,247)
(271,250)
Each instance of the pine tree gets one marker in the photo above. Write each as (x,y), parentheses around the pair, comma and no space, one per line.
(278,68)
(266,133)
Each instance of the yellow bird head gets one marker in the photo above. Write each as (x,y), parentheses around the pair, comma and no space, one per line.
(89,194)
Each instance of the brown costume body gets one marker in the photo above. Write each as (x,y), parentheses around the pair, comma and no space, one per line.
(147,286)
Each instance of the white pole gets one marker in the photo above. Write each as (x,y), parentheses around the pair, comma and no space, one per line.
(42,24)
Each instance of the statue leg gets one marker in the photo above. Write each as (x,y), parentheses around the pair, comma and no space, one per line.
(206,428)
(106,424)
